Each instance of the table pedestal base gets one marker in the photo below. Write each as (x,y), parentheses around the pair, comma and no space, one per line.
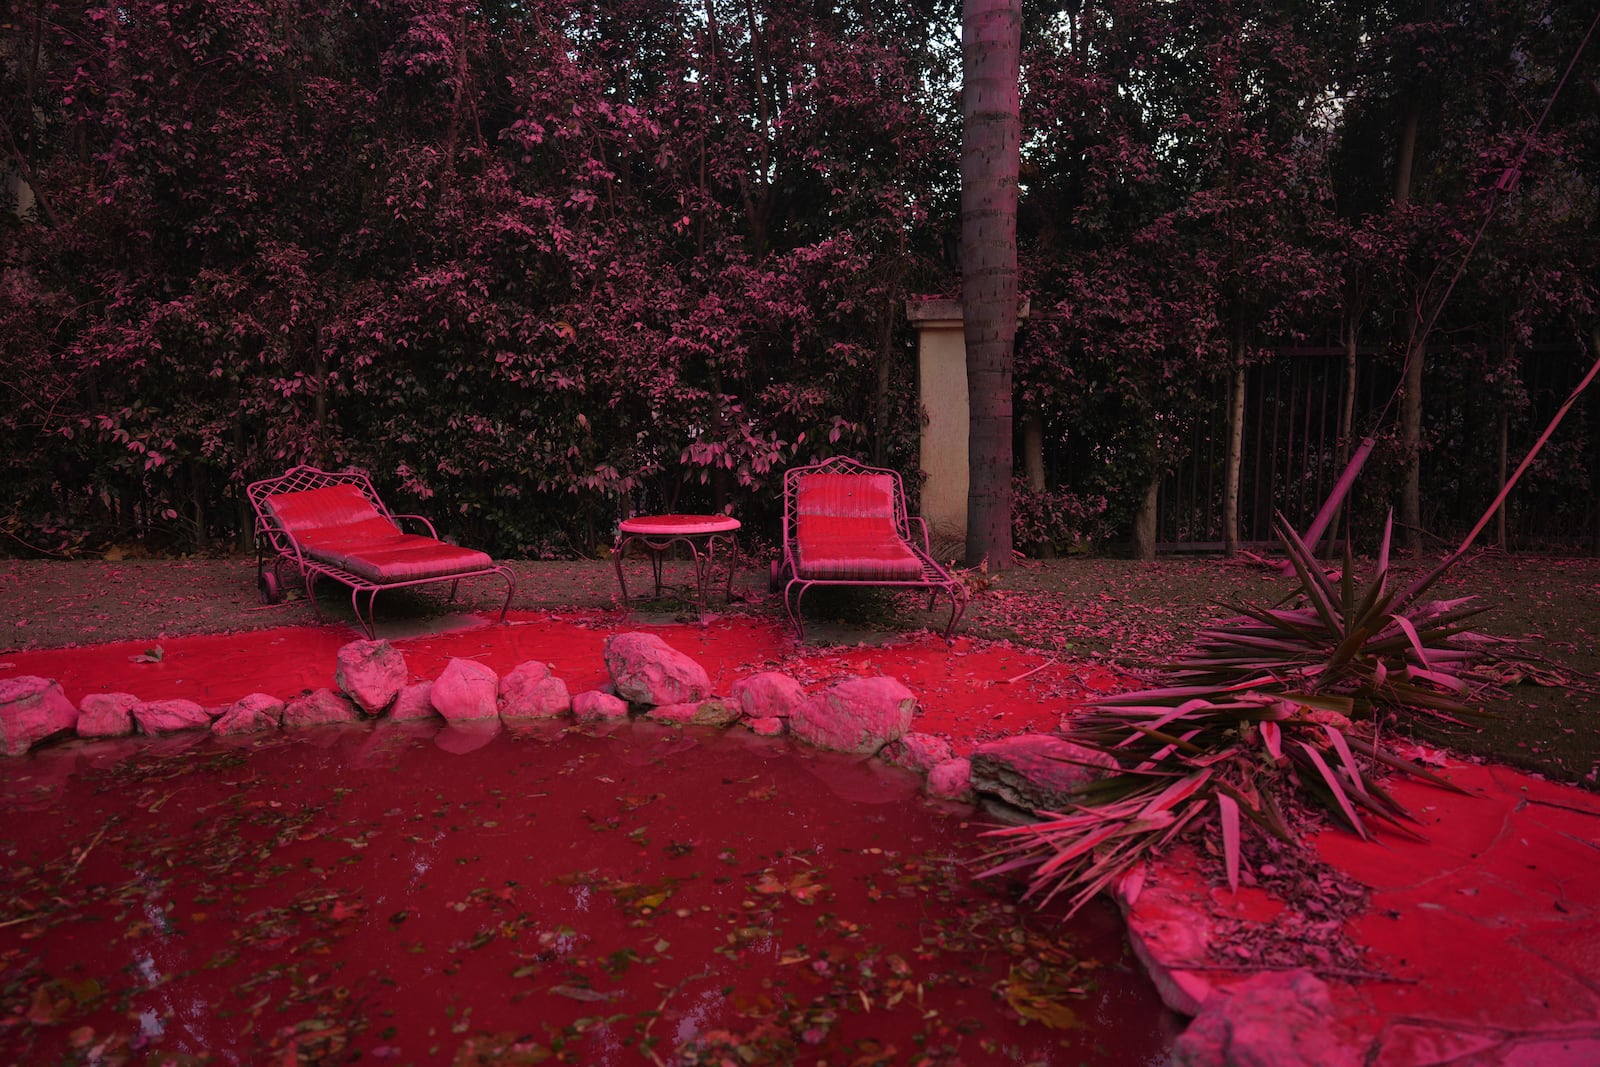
(705,536)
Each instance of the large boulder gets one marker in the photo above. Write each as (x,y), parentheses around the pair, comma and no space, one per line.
(32,710)
(857,715)
(768,695)
(1274,1019)
(251,714)
(1036,772)
(106,715)
(647,670)
(371,673)
(466,690)
(595,706)
(916,752)
(170,716)
(414,702)
(320,707)
(530,691)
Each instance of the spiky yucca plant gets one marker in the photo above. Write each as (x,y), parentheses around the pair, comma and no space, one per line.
(1276,699)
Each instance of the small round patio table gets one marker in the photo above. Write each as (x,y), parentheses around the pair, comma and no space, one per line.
(703,535)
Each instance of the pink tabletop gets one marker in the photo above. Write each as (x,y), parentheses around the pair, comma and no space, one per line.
(678,525)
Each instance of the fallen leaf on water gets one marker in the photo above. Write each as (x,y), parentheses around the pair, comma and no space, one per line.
(504,1049)
(584,993)
(1041,1009)
(46,1009)
(82,990)
(342,911)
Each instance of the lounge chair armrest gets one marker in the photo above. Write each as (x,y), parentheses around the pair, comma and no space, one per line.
(422,519)
(919,528)
(273,536)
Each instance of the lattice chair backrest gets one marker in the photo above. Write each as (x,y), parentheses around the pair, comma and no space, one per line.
(844,489)
(306,500)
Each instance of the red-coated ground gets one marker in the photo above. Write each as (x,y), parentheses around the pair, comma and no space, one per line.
(1484,941)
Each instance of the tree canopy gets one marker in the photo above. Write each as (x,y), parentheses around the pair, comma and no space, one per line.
(533,263)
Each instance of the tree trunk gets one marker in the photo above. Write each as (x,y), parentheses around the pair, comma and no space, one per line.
(319,407)
(197,503)
(1411,440)
(880,398)
(1033,468)
(1504,459)
(245,538)
(1347,420)
(1406,152)
(1416,347)
(1594,451)
(1234,463)
(1033,449)
(1144,520)
(990,145)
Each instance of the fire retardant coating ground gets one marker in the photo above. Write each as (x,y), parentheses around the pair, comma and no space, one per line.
(1545,718)
(1059,626)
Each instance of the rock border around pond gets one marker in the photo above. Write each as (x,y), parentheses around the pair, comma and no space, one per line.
(650,680)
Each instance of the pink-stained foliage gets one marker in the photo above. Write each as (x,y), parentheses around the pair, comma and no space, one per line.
(535,264)
(529,265)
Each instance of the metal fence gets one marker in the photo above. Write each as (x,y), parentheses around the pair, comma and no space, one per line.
(1476,430)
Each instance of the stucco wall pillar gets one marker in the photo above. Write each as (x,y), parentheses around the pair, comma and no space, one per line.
(942,372)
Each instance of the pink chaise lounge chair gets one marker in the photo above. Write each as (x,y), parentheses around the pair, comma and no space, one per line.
(325,524)
(845,523)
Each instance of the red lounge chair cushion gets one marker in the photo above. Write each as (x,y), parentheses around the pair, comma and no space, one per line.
(862,550)
(339,526)
(845,530)
(847,496)
(318,509)
(334,539)
(408,558)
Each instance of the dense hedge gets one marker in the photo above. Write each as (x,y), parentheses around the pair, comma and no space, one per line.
(522,263)
(531,264)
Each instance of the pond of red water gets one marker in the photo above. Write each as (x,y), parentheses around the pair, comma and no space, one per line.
(430,894)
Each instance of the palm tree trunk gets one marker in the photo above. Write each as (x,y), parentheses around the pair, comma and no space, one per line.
(990,154)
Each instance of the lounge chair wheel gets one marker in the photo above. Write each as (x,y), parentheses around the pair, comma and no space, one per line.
(271,590)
